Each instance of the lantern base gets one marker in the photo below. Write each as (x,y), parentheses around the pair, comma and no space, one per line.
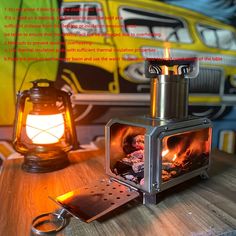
(45,162)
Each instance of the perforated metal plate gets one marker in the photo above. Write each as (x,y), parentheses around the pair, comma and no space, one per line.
(93,201)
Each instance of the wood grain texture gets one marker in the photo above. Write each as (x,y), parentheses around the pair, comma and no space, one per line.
(193,208)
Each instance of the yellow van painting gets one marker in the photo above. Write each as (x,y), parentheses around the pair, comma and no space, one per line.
(99,47)
(106,42)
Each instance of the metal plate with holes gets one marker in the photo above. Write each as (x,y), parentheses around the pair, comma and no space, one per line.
(93,201)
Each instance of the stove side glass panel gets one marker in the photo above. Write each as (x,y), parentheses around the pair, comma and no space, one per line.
(185,152)
(127,152)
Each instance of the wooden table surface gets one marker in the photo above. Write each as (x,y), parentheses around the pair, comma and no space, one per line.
(194,208)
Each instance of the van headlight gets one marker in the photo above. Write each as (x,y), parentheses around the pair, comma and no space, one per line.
(230,85)
(135,72)
(233,80)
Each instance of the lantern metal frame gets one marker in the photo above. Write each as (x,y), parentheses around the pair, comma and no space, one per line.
(42,158)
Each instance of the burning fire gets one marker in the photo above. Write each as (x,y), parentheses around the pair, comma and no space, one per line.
(164,152)
(175,156)
(178,147)
(184,153)
(181,153)
(167,70)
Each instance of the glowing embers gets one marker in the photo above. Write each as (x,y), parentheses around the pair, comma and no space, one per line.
(45,129)
(179,153)
(131,167)
(185,152)
(127,152)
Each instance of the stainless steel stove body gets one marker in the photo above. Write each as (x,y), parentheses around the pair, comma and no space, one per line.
(154,152)
(151,153)
(148,154)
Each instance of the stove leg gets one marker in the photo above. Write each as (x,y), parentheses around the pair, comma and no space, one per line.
(204,176)
(149,199)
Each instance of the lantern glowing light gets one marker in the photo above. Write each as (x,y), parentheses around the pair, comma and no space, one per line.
(45,129)
(45,132)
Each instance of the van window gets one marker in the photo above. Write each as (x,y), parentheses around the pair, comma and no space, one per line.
(216,37)
(142,24)
(83,19)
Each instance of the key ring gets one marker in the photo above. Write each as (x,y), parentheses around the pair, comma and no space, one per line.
(60,219)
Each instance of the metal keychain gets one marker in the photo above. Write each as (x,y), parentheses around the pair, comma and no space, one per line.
(58,216)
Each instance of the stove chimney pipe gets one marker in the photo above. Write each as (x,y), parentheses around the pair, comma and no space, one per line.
(169,86)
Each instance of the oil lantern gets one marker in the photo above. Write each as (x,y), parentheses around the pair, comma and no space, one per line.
(44,129)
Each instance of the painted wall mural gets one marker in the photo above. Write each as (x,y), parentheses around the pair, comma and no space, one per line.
(90,47)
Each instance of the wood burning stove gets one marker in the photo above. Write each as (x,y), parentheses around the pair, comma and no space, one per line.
(154,152)
(150,153)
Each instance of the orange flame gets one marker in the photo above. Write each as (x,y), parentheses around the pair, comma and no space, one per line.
(185,152)
(166,56)
(186,144)
(175,156)
(165,152)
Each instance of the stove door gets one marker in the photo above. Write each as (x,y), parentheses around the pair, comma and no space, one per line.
(93,201)
(185,152)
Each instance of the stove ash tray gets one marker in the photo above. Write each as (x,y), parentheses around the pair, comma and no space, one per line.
(93,201)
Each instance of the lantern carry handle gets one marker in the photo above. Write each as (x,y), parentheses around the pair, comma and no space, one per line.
(21,97)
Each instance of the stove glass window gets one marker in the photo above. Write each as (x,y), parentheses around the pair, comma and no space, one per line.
(127,152)
(185,152)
